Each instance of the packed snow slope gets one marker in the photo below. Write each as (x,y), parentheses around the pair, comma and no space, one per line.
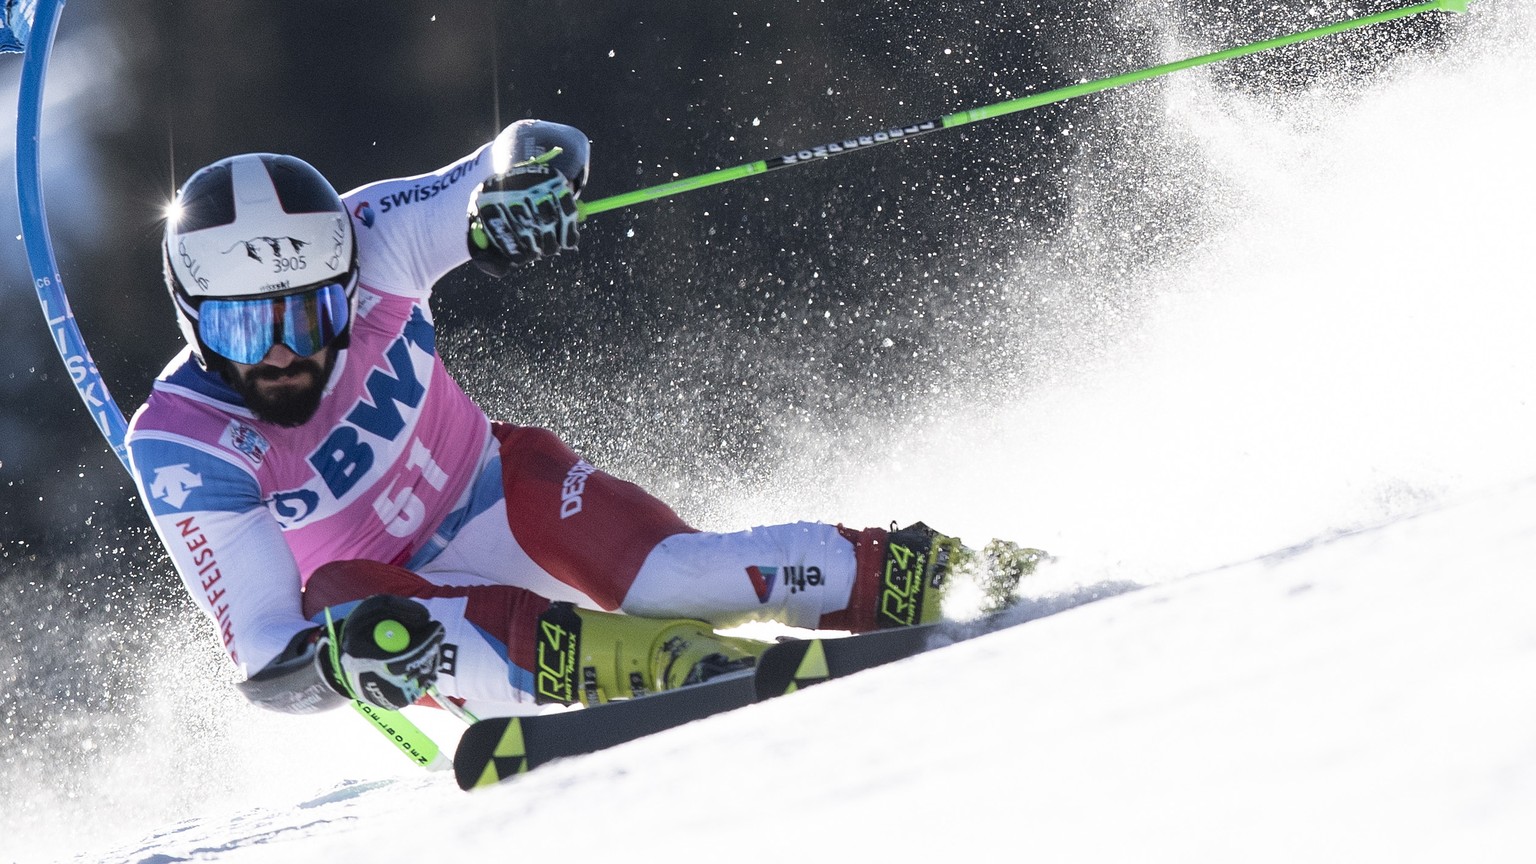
(1309,441)
(1364,697)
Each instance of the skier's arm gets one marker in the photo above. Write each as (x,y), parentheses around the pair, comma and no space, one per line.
(385,651)
(225,544)
(231,555)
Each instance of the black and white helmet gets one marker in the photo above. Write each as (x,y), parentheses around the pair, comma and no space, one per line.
(261,237)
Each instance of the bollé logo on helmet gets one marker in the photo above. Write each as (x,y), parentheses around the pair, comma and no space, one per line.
(194,269)
(338,243)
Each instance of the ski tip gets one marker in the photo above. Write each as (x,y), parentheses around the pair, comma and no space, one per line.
(1454,5)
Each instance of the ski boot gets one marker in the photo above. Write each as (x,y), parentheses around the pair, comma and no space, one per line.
(591,657)
(921,565)
(915,574)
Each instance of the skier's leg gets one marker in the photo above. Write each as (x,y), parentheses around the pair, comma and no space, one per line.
(901,578)
(623,548)
(804,575)
(583,526)
(795,574)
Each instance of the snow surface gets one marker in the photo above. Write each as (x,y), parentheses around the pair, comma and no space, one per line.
(1367,697)
(1313,449)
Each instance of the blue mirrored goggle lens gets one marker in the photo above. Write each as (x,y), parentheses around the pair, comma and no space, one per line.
(245,330)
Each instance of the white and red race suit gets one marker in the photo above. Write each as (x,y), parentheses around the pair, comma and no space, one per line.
(400,484)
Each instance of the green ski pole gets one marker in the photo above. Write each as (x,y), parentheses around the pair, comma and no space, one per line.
(950,121)
(405,735)
(394,725)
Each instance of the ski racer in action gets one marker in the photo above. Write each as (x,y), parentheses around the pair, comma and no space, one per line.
(356,527)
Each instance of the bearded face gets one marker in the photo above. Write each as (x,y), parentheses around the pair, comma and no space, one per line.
(283,388)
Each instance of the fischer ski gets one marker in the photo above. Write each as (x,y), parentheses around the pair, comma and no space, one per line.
(790,666)
(500,748)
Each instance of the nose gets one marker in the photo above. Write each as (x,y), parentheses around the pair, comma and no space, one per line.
(279,356)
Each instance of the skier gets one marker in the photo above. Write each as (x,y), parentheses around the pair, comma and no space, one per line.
(356,527)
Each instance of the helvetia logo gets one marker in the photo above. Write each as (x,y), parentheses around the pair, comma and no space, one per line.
(800,578)
(762,581)
(363,212)
(795,577)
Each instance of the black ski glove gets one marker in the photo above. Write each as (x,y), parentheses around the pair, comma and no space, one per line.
(521,216)
(390,650)
(529,210)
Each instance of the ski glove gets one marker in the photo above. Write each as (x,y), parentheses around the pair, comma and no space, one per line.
(518,217)
(389,652)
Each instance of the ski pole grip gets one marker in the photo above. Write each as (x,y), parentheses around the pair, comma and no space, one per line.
(392,636)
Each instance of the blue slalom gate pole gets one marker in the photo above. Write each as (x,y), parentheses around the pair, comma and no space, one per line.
(34,227)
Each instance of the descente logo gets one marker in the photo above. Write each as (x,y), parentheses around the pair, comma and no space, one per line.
(573,487)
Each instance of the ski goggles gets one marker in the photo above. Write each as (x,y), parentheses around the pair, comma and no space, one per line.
(245,330)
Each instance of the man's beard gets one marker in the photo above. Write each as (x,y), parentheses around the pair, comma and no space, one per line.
(295,406)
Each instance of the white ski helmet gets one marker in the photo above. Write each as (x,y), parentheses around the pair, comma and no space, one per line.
(259,249)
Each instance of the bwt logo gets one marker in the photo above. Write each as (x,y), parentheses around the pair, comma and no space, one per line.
(394,390)
(345,457)
(573,487)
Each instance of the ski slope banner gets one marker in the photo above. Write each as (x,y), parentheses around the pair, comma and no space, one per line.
(29,27)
